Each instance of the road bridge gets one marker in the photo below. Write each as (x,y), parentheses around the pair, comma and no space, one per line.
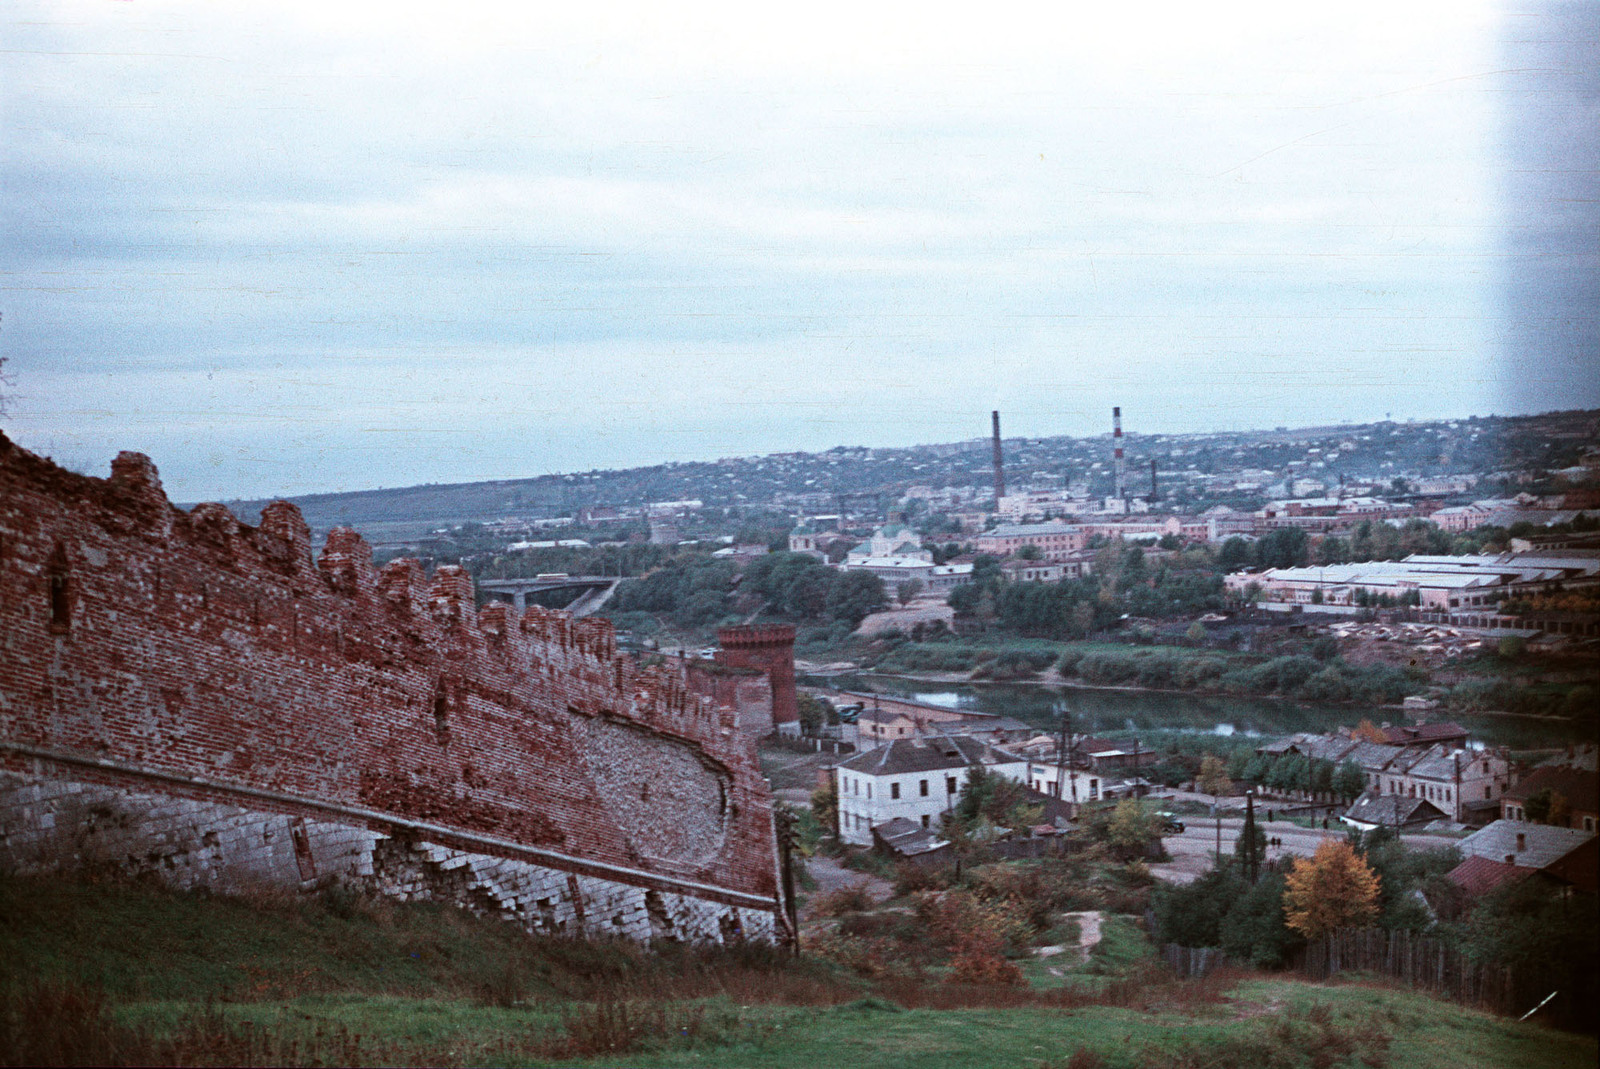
(594,590)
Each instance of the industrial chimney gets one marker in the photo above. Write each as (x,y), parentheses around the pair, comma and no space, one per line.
(1154,491)
(999,468)
(1116,439)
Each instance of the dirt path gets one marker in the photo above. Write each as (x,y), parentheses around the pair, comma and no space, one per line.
(1088,936)
(832,876)
(1089,929)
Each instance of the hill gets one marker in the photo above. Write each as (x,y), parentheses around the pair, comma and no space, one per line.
(115,973)
(1187,464)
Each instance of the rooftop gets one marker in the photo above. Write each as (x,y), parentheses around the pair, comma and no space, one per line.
(1580,787)
(1539,846)
(930,754)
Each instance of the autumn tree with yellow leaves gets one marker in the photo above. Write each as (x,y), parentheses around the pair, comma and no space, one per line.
(1334,889)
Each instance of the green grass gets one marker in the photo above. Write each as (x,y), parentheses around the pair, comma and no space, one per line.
(1122,946)
(215,980)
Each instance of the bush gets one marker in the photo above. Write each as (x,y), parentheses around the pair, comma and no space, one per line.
(851,899)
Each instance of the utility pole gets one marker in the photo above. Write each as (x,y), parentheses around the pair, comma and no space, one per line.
(787,834)
(1252,862)
(1061,752)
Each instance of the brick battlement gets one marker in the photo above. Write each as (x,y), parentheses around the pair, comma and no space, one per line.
(756,635)
(197,647)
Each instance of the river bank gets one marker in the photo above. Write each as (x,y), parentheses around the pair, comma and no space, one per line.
(1130,709)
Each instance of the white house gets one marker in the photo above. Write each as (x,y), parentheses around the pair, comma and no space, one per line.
(917,779)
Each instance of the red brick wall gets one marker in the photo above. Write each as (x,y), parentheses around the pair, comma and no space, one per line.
(769,647)
(190,643)
(747,691)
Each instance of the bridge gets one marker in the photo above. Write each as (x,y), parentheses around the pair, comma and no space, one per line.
(596,590)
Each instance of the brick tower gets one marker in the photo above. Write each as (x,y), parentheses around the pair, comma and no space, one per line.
(769,647)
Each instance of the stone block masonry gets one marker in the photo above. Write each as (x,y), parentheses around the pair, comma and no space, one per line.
(186,695)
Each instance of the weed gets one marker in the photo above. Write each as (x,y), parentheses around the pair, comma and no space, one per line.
(850,899)
(623,1027)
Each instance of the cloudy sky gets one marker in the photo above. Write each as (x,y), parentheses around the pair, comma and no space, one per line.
(292,247)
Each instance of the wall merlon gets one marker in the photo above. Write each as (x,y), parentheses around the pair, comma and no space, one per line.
(281,520)
(346,563)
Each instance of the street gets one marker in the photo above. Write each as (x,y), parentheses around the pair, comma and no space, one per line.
(1193,850)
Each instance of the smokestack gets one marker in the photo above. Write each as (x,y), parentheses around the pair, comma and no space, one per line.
(1154,492)
(1116,440)
(999,468)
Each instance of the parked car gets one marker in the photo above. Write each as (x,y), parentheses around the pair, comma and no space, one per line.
(1170,825)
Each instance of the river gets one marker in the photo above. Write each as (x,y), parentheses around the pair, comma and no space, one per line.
(1102,710)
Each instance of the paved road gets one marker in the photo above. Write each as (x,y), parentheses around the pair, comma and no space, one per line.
(1192,851)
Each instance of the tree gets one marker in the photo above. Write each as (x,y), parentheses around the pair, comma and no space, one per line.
(1368,732)
(1349,781)
(1251,846)
(1282,547)
(813,713)
(1234,555)
(1334,889)
(1213,778)
(1029,552)
(1253,929)
(855,596)
(1191,915)
(825,807)
(907,590)
(1196,633)
(1132,828)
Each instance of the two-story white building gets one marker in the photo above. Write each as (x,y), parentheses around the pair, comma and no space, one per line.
(917,778)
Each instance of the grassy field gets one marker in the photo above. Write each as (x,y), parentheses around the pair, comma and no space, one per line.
(108,973)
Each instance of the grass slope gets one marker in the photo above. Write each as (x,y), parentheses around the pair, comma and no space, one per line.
(110,972)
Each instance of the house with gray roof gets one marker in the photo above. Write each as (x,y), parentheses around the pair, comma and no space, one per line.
(1527,846)
(917,779)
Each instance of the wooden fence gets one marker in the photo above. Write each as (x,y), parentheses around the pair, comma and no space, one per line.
(1420,962)
(1415,959)
(1192,962)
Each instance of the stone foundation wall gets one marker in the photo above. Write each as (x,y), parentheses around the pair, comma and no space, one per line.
(53,826)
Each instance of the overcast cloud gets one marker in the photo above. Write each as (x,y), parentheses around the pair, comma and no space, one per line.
(300,247)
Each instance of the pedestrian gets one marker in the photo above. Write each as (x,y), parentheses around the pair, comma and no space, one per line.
(1269,816)
(1324,823)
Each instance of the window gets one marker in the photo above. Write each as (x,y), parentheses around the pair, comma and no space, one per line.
(1486,792)
(894,790)
(924,820)
(60,607)
(869,792)
(1588,823)
(60,590)
(922,788)
(949,785)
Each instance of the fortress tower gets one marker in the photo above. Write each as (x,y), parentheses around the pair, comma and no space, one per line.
(769,647)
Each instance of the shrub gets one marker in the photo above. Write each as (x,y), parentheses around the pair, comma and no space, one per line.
(851,899)
(978,965)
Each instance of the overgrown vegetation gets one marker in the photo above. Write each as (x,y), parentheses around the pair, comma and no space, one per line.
(112,973)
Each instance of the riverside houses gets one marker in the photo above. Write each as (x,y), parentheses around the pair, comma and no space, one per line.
(917,779)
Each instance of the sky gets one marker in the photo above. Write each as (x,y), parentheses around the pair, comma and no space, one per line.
(296,247)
